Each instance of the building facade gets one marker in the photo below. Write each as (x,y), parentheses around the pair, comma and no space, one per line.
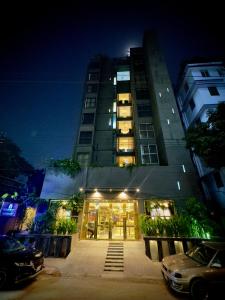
(130,146)
(201,88)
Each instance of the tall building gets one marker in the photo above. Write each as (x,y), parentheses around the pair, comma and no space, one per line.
(201,87)
(130,146)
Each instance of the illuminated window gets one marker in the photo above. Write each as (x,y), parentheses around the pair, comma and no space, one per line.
(163,209)
(125,144)
(125,160)
(123,76)
(114,107)
(124,112)
(114,121)
(124,126)
(146,131)
(124,97)
(149,154)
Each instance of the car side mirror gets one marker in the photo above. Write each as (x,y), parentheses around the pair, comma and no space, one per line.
(216,265)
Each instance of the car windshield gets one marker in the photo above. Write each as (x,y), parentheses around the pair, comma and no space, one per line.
(10,245)
(202,254)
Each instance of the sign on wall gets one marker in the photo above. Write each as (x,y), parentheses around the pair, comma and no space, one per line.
(9,209)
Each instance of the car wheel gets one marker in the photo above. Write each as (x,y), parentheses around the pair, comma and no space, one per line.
(199,290)
(3,277)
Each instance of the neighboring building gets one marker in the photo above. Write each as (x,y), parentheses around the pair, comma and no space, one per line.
(130,144)
(201,88)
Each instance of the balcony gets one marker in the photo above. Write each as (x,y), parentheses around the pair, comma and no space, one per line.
(125,152)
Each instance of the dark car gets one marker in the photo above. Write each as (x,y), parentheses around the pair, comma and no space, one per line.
(17,262)
(199,271)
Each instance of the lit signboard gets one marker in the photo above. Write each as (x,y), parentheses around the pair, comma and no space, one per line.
(9,209)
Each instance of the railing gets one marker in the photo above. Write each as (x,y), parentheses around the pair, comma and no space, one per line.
(49,244)
(158,247)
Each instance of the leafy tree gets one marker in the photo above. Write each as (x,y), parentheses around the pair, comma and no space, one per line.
(67,166)
(207,140)
(12,163)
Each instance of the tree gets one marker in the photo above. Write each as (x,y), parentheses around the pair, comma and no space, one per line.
(207,140)
(67,166)
(12,163)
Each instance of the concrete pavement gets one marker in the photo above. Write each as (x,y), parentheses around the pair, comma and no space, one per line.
(87,258)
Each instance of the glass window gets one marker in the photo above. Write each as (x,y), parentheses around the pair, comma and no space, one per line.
(163,209)
(88,118)
(144,110)
(213,91)
(192,104)
(146,131)
(93,76)
(149,154)
(124,112)
(85,137)
(204,73)
(125,160)
(124,97)
(124,126)
(123,76)
(186,87)
(125,144)
(142,94)
(90,102)
(92,88)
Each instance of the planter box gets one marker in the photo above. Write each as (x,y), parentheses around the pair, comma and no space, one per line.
(49,244)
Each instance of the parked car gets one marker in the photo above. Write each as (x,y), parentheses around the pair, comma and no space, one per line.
(197,272)
(17,262)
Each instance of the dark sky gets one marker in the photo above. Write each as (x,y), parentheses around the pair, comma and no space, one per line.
(45,49)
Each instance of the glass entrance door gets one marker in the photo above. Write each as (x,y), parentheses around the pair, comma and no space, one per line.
(111,220)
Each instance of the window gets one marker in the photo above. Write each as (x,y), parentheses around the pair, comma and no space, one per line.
(126,144)
(186,87)
(124,112)
(83,159)
(213,91)
(88,118)
(92,88)
(163,209)
(192,104)
(90,102)
(144,110)
(93,76)
(124,97)
(218,179)
(125,126)
(85,137)
(149,154)
(146,131)
(142,94)
(205,73)
(123,76)
(125,160)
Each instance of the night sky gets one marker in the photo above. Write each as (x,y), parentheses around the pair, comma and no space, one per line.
(45,50)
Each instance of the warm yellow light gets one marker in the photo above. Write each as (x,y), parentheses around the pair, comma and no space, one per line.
(125,190)
(124,111)
(123,96)
(125,143)
(95,190)
(137,190)
(123,195)
(64,202)
(124,126)
(125,160)
(81,189)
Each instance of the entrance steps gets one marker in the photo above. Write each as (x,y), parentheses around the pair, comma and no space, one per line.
(114,261)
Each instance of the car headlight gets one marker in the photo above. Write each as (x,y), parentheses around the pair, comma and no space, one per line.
(177,275)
